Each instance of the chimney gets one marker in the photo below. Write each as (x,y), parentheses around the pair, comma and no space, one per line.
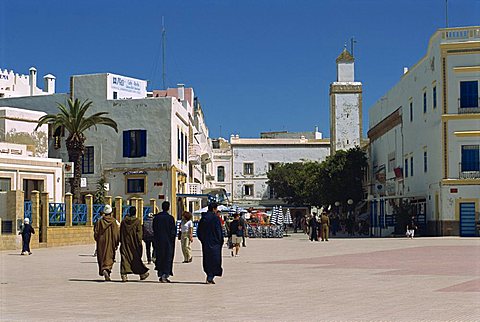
(32,80)
(181,92)
(405,70)
(49,84)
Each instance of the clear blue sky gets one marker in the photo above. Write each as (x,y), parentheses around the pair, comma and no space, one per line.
(256,65)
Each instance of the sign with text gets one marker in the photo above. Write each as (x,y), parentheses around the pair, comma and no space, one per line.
(121,87)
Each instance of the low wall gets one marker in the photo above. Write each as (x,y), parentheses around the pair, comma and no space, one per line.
(10,242)
(66,236)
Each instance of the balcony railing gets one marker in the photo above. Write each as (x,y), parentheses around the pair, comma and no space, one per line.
(194,151)
(461,33)
(469,172)
(469,109)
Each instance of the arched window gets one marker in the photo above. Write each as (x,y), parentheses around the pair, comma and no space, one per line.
(221,174)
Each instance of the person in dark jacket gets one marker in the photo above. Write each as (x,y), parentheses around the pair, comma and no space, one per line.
(131,247)
(235,233)
(313,224)
(209,232)
(26,233)
(164,232)
(148,237)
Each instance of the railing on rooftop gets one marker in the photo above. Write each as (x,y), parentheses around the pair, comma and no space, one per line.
(461,33)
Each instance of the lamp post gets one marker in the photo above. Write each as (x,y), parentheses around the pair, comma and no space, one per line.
(350,220)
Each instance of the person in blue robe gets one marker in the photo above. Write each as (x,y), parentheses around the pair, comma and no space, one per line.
(164,232)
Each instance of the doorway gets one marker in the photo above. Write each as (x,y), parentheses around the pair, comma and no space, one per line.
(29,185)
(467,219)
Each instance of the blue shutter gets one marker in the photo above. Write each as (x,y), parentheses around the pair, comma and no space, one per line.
(143,143)
(469,94)
(126,144)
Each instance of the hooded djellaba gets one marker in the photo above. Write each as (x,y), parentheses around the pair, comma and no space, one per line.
(106,235)
(131,247)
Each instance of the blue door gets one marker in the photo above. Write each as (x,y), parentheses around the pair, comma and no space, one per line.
(467,219)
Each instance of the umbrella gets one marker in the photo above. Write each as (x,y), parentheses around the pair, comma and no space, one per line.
(279,220)
(273,217)
(288,218)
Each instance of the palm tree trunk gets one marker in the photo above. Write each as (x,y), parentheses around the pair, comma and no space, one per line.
(75,156)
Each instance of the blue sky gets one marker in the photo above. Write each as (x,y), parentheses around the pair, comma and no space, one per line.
(256,65)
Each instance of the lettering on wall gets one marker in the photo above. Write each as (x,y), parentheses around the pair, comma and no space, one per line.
(126,85)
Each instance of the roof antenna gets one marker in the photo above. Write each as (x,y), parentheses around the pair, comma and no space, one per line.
(353,41)
(163,52)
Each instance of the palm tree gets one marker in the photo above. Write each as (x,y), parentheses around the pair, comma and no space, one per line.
(73,119)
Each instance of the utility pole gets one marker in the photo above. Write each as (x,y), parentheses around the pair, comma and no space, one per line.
(163,53)
(446,13)
(353,41)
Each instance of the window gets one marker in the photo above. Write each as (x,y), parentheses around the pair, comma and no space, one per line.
(136,185)
(391,161)
(470,158)
(179,145)
(185,148)
(425,161)
(115,95)
(134,143)
(424,102)
(5,184)
(271,192)
(272,166)
(469,94)
(411,111)
(248,168)
(411,166)
(182,152)
(434,97)
(406,168)
(248,190)
(87,160)
(221,174)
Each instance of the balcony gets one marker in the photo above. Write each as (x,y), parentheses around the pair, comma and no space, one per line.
(469,172)
(473,107)
(194,188)
(194,153)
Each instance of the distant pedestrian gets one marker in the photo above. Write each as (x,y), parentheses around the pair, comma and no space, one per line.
(209,232)
(148,237)
(335,224)
(411,227)
(26,232)
(313,227)
(325,223)
(164,232)
(107,235)
(236,232)
(243,223)
(131,248)
(186,228)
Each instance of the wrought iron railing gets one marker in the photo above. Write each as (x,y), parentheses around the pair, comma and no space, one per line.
(97,212)
(79,214)
(469,171)
(125,210)
(56,214)
(27,210)
(469,109)
(146,211)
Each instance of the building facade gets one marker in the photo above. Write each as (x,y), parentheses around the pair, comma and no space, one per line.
(425,135)
(16,85)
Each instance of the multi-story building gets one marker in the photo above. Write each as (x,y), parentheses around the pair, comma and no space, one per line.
(425,136)
(149,157)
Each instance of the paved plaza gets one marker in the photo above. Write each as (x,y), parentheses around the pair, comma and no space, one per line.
(290,279)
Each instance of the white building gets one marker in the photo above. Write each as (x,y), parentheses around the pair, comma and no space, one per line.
(16,85)
(222,162)
(425,136)
(253,158)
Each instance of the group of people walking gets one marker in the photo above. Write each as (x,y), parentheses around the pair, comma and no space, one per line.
(159,231)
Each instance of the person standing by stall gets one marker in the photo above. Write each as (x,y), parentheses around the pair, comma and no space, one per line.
(209,232)
(236,232)
(243,224)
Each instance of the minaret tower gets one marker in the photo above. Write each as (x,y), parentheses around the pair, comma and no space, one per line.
(345,106)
